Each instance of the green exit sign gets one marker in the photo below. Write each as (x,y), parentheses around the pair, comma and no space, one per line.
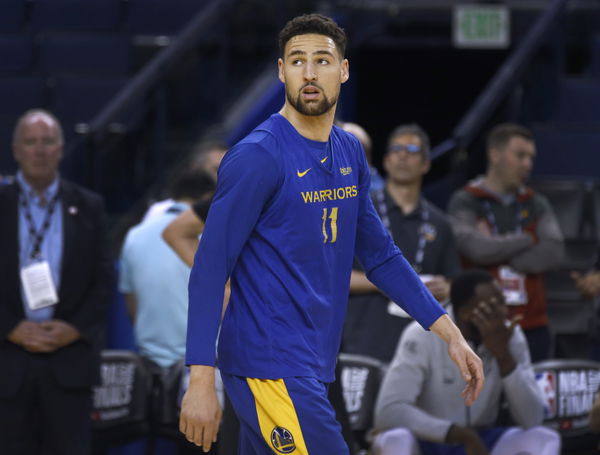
(481,26)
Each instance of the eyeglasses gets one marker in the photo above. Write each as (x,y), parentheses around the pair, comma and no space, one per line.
(410,148)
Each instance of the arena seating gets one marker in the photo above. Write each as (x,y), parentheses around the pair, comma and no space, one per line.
(157,17)
(16,53)
(18,93)
(96,15)
(85,54)
(13,16)
(566,151)
(77,99)
(578,98)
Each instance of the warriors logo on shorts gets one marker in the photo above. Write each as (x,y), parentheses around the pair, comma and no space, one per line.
(282,440)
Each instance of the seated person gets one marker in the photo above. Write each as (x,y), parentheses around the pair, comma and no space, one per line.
(419,409)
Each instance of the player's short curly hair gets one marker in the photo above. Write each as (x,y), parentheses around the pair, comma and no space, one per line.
(313,24)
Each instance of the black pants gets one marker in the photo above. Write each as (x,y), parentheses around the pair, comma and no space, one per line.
(44,418)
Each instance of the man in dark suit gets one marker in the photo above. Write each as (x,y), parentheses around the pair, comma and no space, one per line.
(55,283)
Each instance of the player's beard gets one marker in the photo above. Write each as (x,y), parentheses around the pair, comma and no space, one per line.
(312,108)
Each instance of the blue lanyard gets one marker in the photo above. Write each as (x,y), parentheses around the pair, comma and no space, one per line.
(37,236)
(422,242)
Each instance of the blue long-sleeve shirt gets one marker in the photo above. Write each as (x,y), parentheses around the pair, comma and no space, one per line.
(51,247)
(287,218)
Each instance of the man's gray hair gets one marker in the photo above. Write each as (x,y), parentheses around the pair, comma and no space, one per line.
(33,113)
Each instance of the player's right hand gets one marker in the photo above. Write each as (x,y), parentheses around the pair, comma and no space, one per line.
(200,410)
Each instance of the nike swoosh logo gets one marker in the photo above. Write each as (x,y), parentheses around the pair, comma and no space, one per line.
(324,159)
(302,174)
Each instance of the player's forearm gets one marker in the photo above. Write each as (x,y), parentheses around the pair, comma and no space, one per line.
(446,329)
(397,279)
(202,375)
(206,292)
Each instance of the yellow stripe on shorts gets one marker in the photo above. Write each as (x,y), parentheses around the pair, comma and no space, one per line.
(277,416)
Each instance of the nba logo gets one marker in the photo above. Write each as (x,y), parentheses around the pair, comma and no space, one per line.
(546,381)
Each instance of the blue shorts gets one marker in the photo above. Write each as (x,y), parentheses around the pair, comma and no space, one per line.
(291,415)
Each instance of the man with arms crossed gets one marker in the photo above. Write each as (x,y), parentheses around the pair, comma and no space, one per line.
(292,208)
(507,228)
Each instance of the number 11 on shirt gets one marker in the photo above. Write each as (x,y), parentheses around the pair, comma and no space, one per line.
(332,215)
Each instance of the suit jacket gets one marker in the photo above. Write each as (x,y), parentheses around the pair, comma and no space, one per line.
(85,289)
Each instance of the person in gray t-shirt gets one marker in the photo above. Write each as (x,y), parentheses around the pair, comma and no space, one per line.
(419,405)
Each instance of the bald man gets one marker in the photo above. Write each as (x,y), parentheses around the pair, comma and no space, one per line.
(55,285)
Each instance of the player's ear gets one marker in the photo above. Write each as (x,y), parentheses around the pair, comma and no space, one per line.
(345,70)
(280,70)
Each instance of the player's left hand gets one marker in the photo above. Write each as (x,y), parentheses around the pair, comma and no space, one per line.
(201,413)
(470,366)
